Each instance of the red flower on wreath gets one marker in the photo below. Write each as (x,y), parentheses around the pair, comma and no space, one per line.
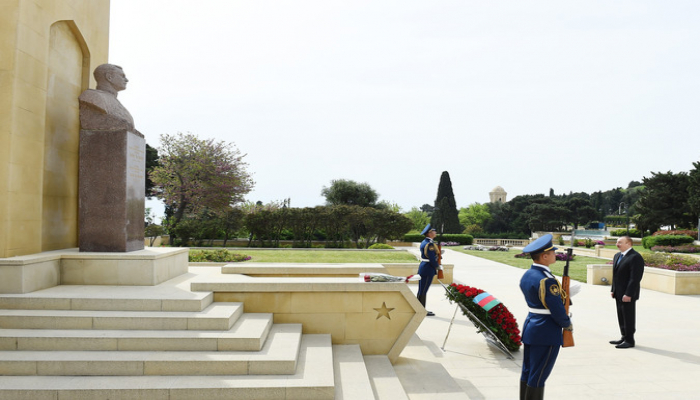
(498,319)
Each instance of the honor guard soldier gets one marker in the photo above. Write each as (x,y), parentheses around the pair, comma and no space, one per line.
(428,264)
(542,330)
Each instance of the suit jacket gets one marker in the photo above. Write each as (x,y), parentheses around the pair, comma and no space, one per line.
(627,274)
(542,292)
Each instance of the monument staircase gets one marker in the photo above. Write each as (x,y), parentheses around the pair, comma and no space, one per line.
(167,342)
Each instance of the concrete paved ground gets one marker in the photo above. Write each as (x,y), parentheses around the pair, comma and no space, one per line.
(665,364)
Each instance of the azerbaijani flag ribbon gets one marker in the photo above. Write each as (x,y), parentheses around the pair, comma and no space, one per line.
(486,301)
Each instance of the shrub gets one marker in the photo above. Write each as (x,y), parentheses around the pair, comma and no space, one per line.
(380,246)
(413,237)
(503,235)
(498,248)
(622,232)
(448,237)
(688,232)
(677,249)
(666,240)
(565,257)
(219,255)
(673,262)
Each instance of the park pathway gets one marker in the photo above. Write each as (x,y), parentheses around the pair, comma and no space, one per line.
(665,364)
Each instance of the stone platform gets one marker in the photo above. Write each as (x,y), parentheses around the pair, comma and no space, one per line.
(147,267)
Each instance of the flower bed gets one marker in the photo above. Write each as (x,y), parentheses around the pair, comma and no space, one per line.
(501,322)
(689,248)
(673,262)
(220,255)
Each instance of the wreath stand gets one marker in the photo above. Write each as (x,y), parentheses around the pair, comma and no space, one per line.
(491,337)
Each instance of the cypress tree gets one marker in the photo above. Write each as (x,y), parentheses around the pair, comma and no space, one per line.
(446,215)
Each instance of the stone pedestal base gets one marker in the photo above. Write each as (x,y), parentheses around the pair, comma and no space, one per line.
(148,267)
(112,190)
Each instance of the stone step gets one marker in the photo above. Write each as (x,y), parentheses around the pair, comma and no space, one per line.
(111,298)
(278,356)
(248,333)
(218,316)
(351,379)
(385,383)
(313,379)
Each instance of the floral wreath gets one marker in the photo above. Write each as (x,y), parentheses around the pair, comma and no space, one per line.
(490,312)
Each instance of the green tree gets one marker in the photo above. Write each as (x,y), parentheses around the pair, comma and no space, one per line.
(694,191)
(230,222)
(196,174)
(386,205)
(419,219)
(350,193)
(501,218)
(664,201)
(579,210)
(475,215)
(151,163)
(546,214)
(445,217)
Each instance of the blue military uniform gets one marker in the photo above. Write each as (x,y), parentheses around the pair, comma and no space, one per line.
(428,265)
(542,330)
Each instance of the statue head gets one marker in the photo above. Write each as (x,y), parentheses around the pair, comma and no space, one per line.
(110,78)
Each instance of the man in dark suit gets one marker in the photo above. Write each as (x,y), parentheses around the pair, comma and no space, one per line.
(628,268)
(542,330)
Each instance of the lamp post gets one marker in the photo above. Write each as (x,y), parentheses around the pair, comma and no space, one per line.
(619,212)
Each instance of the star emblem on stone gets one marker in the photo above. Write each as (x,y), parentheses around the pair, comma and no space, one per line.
(383,311)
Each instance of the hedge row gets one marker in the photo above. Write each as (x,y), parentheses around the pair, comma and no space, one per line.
(666,240)
(447,237)
(622,232)
(688,232)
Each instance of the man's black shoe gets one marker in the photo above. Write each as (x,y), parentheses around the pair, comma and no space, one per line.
(430,314)
(624,345)
(617,341)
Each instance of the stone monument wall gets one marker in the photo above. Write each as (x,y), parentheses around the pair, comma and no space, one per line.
(49,49)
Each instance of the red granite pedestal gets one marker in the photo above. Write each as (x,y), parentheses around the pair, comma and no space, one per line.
(111,191)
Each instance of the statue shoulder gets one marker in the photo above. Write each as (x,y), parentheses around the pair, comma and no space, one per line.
(95,98)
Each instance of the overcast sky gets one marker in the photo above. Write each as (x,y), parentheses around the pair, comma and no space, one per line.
(527,95)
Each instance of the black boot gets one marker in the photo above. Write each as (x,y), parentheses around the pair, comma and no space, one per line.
(534,393)
(523,389)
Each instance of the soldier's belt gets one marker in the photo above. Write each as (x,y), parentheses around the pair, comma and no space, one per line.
(539,310)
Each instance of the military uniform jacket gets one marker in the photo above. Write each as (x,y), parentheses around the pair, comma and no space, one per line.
(547,317)
(627,274)
(428,254)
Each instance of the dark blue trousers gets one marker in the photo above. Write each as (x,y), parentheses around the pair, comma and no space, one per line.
(426,272)
(538,362)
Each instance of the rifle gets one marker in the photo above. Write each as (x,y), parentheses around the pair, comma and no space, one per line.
(568,336)
(440,273)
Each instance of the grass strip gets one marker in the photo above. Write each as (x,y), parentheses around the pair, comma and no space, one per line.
(577,267)
(328,256)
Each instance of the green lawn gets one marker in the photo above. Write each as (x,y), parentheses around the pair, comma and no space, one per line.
(328,256)
(577,268)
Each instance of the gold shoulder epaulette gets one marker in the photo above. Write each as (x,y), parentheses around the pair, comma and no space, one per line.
(543,292)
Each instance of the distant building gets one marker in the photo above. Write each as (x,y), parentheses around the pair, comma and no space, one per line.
(498,195)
